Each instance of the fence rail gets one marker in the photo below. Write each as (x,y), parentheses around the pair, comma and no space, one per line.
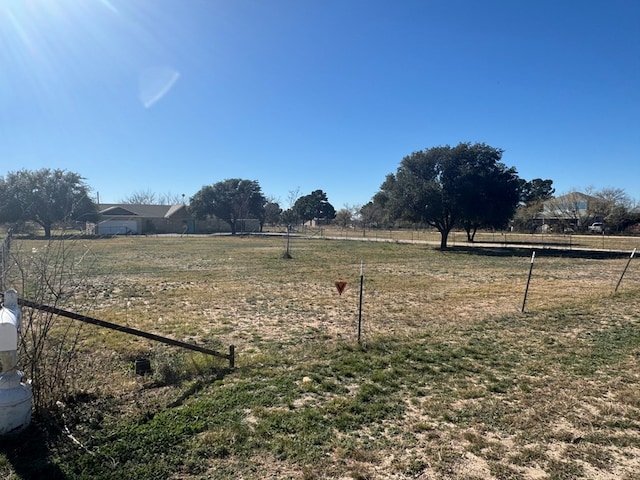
(131,331)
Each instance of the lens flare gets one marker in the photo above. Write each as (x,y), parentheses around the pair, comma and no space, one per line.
(155,83)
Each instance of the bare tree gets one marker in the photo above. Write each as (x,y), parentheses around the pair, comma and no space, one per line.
(356,216)
(147,197)
(289,216)
(170,199)
(343,217)
(527,216)
(615,208)
(615,196)
(55,274)
(141,197)
(293,196)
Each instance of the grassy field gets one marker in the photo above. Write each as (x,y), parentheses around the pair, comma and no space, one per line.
(451,379)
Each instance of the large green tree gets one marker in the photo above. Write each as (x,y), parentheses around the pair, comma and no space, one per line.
(489,191)
(45,197)
(230,200)
(272,212)
(371,214)
(536,190)
(447,186)
(314,206)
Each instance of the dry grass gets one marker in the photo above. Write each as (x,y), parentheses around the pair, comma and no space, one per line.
(240,291)
(453,381)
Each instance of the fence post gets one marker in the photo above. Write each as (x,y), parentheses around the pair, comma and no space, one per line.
(625,269)
(360,304)
(232,356)
(526,291)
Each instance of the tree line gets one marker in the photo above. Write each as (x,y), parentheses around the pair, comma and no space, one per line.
(466,186)
(50,197)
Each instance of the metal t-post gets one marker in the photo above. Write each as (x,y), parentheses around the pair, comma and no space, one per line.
(625,269)
(526,291)
(360,305)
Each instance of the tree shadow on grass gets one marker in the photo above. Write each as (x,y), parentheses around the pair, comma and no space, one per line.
(540,252)
(29,453)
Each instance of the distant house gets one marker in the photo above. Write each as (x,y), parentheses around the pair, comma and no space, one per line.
(133,219)
(574,210)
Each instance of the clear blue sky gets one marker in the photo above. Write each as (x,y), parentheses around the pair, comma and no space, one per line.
(171,95)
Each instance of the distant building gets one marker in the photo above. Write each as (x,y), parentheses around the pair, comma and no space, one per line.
(134,219)
(573,211)
(137,219)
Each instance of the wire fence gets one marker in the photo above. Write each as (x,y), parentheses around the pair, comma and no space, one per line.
(458,238)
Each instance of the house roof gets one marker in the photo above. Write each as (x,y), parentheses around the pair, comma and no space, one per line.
(566,206)
(571,197)
(137,210)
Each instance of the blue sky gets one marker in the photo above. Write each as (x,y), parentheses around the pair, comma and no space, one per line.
(170,95)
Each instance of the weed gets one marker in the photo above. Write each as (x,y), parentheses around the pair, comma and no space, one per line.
(564,470)
(504,472)
(529,456)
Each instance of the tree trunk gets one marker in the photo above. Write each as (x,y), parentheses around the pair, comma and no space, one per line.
(444,234)
(47,231)
(471,231)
